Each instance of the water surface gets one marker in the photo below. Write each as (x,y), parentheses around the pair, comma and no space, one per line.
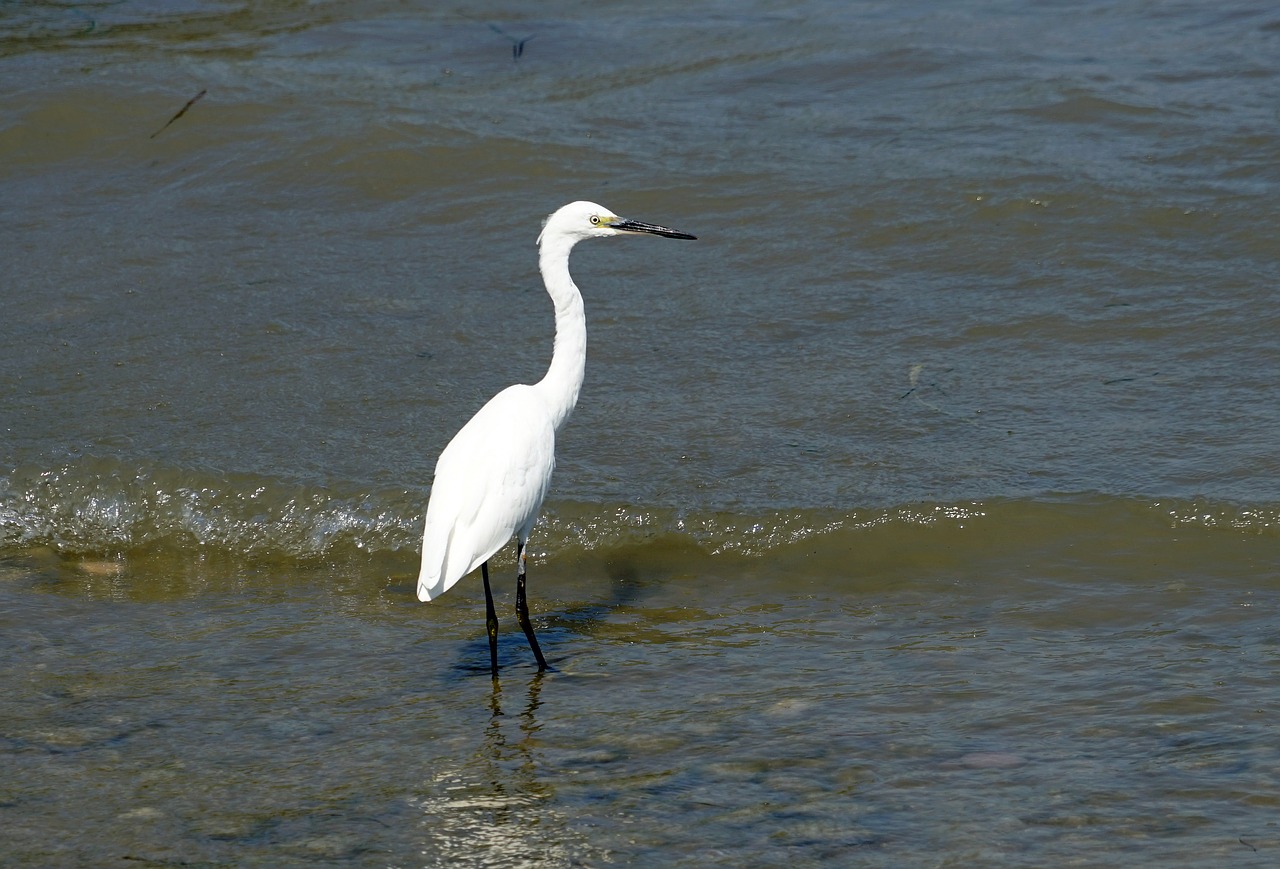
(922,512)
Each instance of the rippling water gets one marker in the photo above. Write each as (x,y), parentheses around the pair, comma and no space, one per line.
(922,512)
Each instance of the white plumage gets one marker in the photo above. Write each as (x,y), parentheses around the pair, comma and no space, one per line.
(489,483)
(491,478)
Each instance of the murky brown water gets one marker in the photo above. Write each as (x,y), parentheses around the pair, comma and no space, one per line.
(922,512)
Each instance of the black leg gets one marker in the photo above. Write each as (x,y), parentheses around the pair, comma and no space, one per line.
(491,620)
(522,608)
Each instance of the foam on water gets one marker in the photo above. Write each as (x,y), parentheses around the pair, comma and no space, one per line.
(102,505)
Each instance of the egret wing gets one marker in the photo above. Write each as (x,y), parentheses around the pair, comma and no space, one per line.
(489,483)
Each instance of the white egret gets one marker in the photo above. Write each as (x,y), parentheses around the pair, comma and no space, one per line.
(491,478)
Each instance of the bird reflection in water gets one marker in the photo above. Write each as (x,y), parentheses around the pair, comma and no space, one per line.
(495,807)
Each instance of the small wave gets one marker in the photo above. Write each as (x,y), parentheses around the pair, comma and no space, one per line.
(108,506)
(103,505)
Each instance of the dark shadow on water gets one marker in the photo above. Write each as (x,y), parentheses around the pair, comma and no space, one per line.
(626,589)
(553,628)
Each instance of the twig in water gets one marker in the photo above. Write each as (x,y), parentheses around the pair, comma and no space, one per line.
(517,45)
(182,111)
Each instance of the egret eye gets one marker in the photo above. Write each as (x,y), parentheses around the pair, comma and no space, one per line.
(595,220)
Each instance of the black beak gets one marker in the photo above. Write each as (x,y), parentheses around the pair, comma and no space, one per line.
(637,226)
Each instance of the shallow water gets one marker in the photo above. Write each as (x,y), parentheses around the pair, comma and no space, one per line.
(944,707)
(922,512)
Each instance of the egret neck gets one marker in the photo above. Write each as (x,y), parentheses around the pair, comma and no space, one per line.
(563,380)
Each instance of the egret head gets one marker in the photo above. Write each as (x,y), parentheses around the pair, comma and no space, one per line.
(579,220)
